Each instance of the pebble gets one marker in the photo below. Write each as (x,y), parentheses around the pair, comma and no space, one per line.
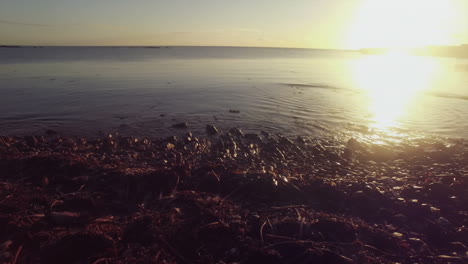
(170,146)
(449,258)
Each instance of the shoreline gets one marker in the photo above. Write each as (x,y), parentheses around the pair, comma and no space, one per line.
(232,197)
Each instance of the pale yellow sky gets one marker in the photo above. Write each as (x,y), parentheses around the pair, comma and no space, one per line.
(272,23)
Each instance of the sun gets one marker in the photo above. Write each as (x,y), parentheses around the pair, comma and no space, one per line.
(402,24)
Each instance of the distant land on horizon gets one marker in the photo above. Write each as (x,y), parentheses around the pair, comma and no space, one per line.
(432,50)
(164,46)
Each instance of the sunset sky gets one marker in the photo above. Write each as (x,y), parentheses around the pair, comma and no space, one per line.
(272,23)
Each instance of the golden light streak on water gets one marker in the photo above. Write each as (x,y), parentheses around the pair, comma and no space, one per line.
(392,82)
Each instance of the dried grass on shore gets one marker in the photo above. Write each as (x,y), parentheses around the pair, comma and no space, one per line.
(231,198)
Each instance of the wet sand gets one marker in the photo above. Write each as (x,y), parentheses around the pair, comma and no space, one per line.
(232,198)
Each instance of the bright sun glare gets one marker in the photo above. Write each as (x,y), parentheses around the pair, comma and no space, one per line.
(392,82)
(402,23)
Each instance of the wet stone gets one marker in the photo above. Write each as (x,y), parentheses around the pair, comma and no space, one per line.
(440,191)
(211,130)
(180,125)
(51,132)
(353,144)
(236,132)
(300,140)
(286,141)
(252,136)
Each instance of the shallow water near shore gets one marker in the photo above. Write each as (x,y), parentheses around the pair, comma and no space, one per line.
(144,91)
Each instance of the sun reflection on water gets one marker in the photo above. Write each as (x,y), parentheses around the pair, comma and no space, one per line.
(392,82)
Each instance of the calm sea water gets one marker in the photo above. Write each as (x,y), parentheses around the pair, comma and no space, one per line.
(144,91)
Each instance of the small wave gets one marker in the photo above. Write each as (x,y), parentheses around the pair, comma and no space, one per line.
(313,85)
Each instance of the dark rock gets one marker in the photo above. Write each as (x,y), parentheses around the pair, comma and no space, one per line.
(174,139)
(234,111)
(285,141)
(440,191)
(437,235)
(440,156)
(70,143)
(211,130)
(252,136)
(109,144)
(31,141)
(412,193)
(300,140)
(399,219)
(51,132)
(353,144)
(180,125)
(462,235)
(418,244)
(236,132)
(266,134)
(381,153)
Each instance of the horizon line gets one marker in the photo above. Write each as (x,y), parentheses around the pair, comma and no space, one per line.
(162,46)
(222,46)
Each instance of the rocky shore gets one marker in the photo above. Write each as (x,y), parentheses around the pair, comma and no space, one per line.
(232,198)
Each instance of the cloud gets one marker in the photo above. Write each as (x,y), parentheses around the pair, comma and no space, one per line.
(22,24)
